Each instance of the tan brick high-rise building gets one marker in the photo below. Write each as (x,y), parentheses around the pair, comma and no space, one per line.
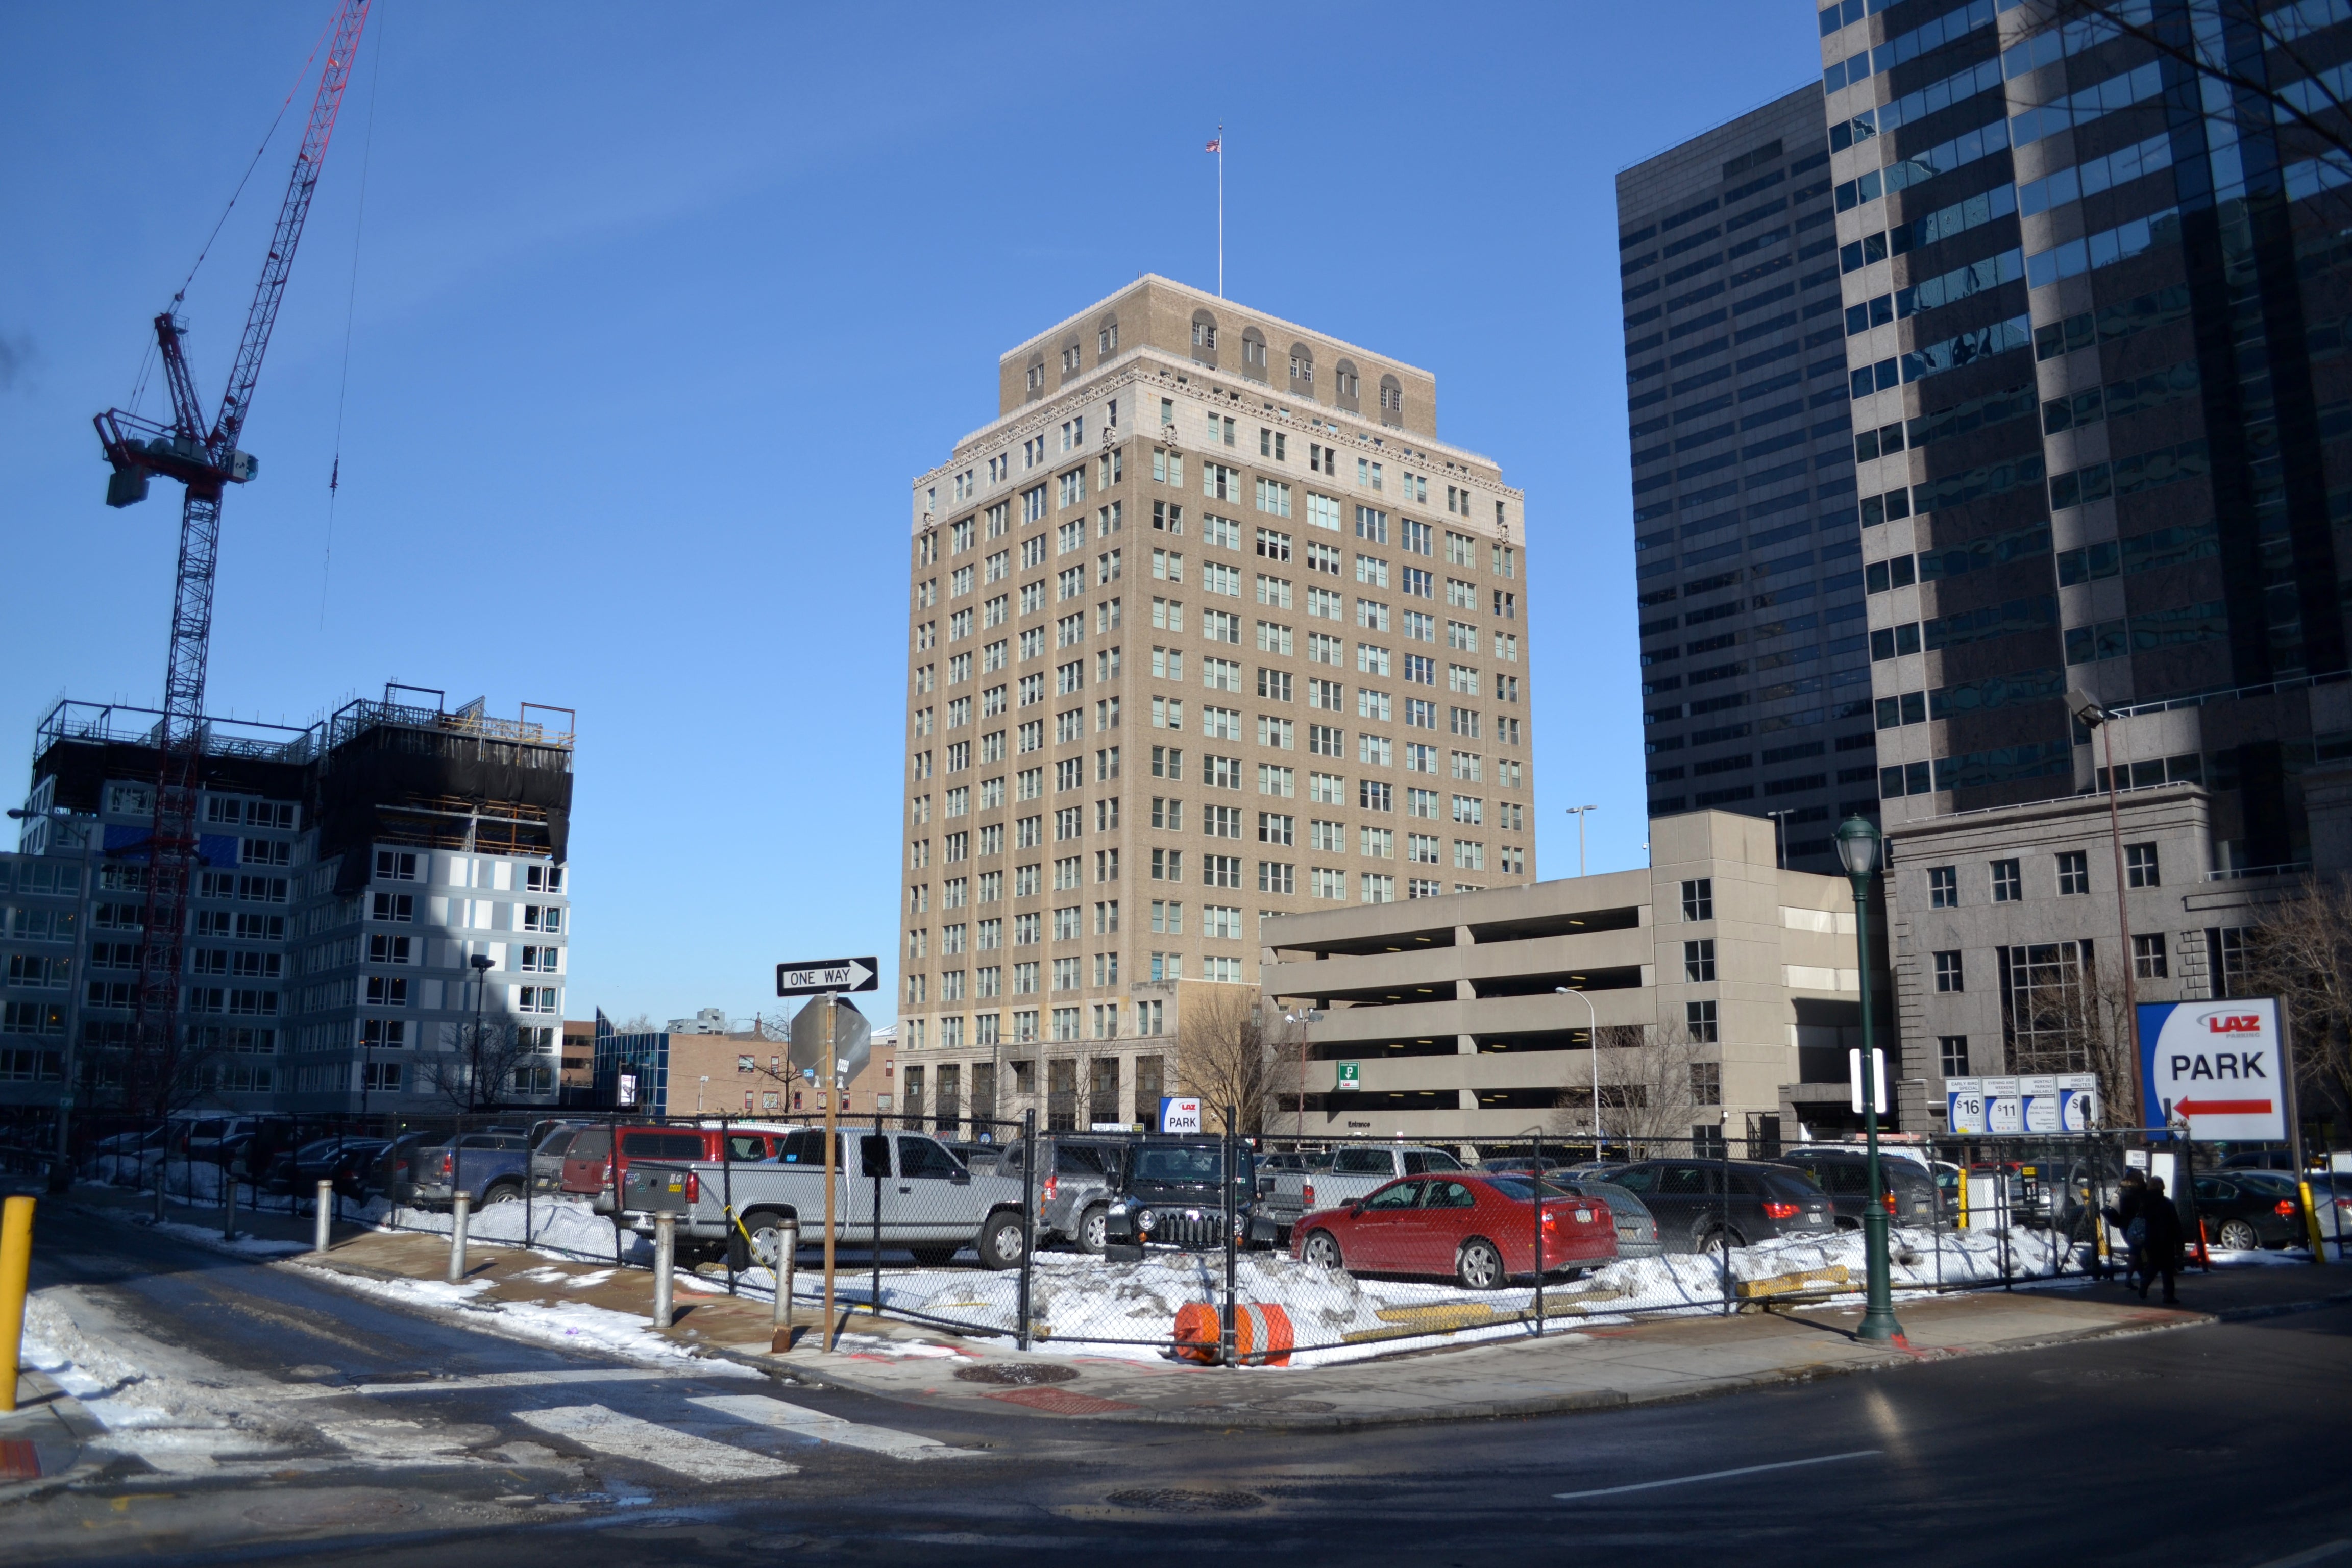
(1206,624)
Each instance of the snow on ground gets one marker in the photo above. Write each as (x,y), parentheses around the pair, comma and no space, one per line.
(575,1324)
(561,1227)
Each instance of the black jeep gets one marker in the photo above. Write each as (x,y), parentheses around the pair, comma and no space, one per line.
(1168,1194)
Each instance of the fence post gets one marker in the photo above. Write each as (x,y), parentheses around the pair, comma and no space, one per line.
(779,1314)
(1028,1221)
(1225,1343)
(458,1211)
(665,1260)
(612,1169)
(1536,1191)
(228,1204)
(727,1194)
(163,1183)
(323,1217)
(530,1180)
(874,1303)
(1723,1146)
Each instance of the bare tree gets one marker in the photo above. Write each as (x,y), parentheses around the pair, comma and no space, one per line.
(2302,954)
(643,1023)
(481,1070)
(1226,1041)
(2073,1015)
(2308,104)
(1660,1086)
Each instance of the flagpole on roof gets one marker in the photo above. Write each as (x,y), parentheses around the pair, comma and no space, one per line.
(1220,145)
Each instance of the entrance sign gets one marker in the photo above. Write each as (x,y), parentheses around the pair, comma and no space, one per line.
(2221,1065)
(1180,1114)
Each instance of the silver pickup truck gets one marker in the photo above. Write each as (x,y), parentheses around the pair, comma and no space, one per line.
(1354,1169)
(930,1204)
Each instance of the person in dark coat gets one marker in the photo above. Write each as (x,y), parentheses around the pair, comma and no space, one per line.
(2161,1253)
(2131,1196)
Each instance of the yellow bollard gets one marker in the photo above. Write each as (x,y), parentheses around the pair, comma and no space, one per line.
(15,1268)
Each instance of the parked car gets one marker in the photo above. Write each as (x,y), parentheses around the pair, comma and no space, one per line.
(589,1167)
(1477,1227)
(2331,1196)
(930,1204)
(2244,1209)
(1905,1186)
(1272,1166)
(547,1157)
(1695,1213)
(394,1171)
(1636,1226)
(1355,1170)
(489,1166)
(341,1159)
(1078,1172)
(2260,1159)
(1170,1193)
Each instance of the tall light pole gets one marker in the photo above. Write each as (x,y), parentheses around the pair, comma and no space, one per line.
(1593,1040)
(1300,1020)
(481,965)
(1858,847)
(1578,812)
(2088,713)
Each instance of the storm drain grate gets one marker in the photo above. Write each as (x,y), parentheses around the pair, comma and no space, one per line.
(1015,1374)
(1182,1500)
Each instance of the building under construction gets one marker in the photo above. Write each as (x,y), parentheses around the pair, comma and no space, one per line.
(378,918)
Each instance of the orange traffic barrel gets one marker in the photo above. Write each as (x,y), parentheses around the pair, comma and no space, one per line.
(1263,1335)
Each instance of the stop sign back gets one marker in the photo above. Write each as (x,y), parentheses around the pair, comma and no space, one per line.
(2221,1065)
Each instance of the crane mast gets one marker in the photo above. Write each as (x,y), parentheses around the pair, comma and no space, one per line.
(202,455)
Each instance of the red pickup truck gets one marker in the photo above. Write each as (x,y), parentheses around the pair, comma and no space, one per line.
(589,1165)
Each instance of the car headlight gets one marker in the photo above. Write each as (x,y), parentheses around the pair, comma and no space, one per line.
(1145,1219)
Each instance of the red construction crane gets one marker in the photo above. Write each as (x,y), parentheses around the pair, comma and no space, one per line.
(202,455)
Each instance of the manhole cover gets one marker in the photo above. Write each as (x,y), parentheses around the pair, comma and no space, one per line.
(1183,1500)
(321,1511)
(1015,1374)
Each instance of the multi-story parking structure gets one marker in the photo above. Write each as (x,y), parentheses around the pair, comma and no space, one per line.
(1207,625)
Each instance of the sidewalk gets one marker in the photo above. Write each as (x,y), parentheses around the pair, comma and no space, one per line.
(1598,1367)
(41,1440)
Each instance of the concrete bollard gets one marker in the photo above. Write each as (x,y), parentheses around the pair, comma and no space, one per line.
(459,1212)
(228,1205)
(780,1320)
(664,1262)
(161,1181)
(325,1218)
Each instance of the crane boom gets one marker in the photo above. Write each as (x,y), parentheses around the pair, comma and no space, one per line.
(203,455)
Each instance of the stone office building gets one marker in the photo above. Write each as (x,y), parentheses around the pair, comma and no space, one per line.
(1208,625)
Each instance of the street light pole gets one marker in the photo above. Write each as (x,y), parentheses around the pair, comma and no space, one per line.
(2094,717)
(1578,812)
(1592,1041)
(1858,846)
(1300,1020)
(481,963)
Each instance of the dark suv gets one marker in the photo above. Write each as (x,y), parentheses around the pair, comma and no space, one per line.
(1168,1193)
(1845,1174)
(1692,1208)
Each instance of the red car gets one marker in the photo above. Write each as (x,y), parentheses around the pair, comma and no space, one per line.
(1478,1228)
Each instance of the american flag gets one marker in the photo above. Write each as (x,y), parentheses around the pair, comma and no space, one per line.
(1215,144)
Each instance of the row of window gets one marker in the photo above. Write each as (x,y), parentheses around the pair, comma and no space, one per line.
(2005,880)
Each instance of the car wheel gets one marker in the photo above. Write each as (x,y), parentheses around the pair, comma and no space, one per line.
(502,1193)
(2237,1236)
(1322,1249)
(767,1228)
(1000,1244)
(1714,1242)
(1479,1266)
(1094,1231)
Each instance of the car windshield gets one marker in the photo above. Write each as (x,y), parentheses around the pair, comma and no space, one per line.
(1520,1189)
(1183,1166)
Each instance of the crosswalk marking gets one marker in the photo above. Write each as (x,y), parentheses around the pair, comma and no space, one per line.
(763,1411)
(502,1380)
(627,1438)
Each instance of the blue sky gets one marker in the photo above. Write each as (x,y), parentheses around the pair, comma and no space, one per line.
(658,310)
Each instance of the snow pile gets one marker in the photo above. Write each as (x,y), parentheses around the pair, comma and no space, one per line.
(557,1225)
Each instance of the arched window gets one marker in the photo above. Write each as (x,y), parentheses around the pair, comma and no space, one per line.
(1105,338)
(1253,353)
(1302,371)
(1204,338)
(1344,384)
(1391,401)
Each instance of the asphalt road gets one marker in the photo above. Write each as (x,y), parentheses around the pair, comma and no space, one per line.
(302,1423)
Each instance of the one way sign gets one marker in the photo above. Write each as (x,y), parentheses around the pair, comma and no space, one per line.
(2220,1065)
(824,974)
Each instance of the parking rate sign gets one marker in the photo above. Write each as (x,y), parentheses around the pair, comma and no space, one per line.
(2218,1064)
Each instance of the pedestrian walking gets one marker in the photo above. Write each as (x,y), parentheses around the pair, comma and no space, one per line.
(2161,1253)
(2125,1214)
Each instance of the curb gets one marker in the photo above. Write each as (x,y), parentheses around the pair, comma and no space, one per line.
(81,1428)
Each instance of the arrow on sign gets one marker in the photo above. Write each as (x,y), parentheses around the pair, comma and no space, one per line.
(826,975)
(2222,1107)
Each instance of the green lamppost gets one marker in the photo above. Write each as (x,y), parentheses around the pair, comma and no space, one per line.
(1858,846)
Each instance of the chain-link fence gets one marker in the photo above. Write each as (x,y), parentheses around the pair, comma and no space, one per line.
(1208,1248)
